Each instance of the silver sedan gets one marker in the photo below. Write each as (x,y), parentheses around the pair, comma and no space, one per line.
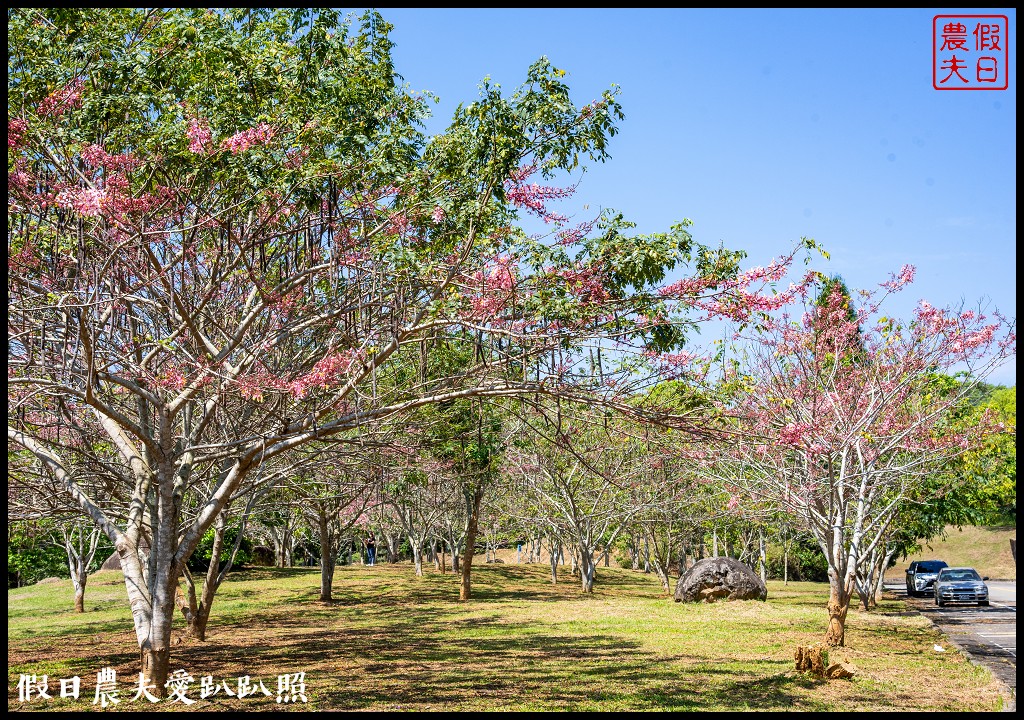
(960,585)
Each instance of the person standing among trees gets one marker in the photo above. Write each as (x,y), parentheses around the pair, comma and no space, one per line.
(371,549)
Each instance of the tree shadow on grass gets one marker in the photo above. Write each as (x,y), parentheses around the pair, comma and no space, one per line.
(414,661)
(386,644)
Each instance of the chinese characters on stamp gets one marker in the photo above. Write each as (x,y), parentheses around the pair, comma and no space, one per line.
(970,52)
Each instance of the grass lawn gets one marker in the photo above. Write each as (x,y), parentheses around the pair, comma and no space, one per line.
(395,641)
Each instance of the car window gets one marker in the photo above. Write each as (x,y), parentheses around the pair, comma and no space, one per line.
(930,566)
(955,575)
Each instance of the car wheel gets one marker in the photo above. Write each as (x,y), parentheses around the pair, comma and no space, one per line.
(939,603)
(983,603)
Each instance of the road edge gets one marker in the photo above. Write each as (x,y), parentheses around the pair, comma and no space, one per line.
(1009,696)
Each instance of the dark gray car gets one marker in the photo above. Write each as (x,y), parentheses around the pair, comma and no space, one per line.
(921,576)
(960,584)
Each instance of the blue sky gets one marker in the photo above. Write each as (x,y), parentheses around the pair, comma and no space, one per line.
(763,126)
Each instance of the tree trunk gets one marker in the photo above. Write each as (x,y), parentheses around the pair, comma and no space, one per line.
(79,556)
(417,556)
(554,550)
(198,620)
(391,543)
(762,558)
(155,667)
(473,502)
(153,611)
(785,565)
(326,558)
(662,572)
(880,580)
(197,623)
(453,544)
(838,606)
(587,570)
(79,577)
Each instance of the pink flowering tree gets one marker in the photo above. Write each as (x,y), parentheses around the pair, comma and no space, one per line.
(846,414)
(228,240)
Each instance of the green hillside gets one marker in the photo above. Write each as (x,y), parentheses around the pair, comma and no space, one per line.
(985,549)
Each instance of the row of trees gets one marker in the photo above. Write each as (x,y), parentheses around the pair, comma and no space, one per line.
(237,267)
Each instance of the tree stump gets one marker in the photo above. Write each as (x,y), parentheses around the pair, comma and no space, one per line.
(811,659)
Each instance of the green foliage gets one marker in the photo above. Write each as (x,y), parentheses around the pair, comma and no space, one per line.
(34,553)
(200,559)
(31,554)
(992,468)
(806,562)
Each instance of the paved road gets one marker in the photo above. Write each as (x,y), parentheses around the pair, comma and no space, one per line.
(989,634)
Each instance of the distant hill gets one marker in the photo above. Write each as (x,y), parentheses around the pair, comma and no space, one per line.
(985,549)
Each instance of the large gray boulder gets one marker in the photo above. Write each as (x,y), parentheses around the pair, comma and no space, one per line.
(713,579)
(111,563)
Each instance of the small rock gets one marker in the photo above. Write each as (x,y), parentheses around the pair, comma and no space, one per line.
(939,648)
(840,671)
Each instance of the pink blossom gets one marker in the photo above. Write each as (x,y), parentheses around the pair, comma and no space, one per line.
(60,101)
(200,137)
(16,129)
(438,215)
(897,282)
(328,372)
(94,155)
(793,434)
(172,379)
(85,201)
(294,158)
(398,223)
(534,197)
(262,134)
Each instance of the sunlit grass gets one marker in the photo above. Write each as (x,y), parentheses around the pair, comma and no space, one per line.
(392,640)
